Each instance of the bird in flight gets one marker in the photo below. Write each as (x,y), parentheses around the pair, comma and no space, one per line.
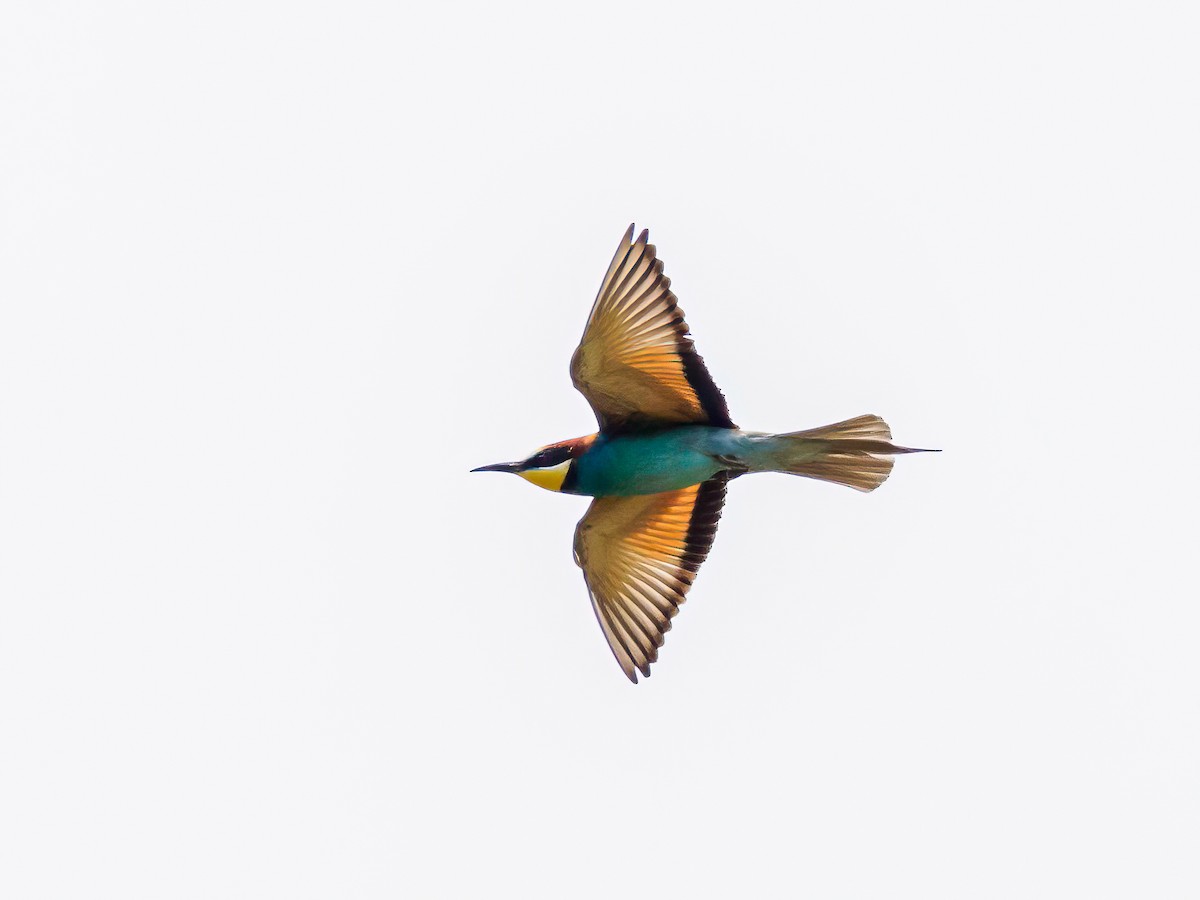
(666,449)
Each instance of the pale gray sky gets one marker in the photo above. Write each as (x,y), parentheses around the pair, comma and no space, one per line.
(275,276)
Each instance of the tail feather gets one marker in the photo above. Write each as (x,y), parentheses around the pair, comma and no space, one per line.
(867,426)
(856,452)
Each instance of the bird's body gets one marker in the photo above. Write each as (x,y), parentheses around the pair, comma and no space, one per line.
(675,457)
(666,449)
(653,461)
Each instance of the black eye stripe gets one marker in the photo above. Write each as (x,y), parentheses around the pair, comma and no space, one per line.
(550,457)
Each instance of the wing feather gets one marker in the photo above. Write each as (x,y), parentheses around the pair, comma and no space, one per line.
(639,556)
(636,364)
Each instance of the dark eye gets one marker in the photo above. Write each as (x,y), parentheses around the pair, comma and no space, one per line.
(550,457)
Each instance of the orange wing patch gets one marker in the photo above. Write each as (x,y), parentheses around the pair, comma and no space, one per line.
(636,365)
(639,556)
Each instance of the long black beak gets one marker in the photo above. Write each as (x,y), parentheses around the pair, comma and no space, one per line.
(500,467)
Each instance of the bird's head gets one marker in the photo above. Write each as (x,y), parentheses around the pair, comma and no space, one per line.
(548,466)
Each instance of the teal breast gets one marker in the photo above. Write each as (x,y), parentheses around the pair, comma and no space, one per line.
(651,462)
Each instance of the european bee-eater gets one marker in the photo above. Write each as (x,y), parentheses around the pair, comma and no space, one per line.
(664,453)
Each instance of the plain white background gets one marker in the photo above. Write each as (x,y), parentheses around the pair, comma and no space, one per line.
(275,276)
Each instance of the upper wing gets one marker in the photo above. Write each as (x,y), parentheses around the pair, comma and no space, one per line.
(639,556)
(636,365)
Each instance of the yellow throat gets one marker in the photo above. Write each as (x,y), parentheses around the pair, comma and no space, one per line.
(550,478)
